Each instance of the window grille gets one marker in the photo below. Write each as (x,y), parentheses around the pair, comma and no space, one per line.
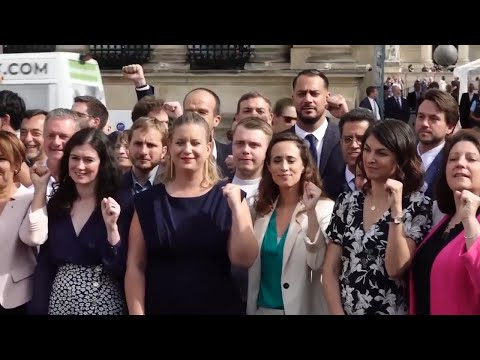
(219,57)
(117,56)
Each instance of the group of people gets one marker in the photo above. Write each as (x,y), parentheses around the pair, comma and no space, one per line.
(366,216)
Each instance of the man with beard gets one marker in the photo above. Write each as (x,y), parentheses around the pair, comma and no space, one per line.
(147,147)
(436,119)
(311,98)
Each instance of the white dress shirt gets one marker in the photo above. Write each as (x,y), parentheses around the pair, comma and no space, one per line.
(319,135)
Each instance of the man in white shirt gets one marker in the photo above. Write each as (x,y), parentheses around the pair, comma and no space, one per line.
(436,119)
(251,137)
(353,126)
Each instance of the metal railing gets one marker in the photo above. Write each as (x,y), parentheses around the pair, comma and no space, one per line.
(116,56)
(219,57)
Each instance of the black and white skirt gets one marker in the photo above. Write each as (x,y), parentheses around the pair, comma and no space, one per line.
(85,290)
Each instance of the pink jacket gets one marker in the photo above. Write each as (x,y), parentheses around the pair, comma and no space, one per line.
(455,278)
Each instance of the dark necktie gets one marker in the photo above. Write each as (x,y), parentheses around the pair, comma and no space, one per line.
(313,147)
(398,102)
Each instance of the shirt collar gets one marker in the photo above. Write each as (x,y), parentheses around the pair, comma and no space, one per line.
(319,133)
(151,178)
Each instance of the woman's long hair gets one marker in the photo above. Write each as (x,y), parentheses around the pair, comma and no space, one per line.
(399,138)
(268,190)
(108,178)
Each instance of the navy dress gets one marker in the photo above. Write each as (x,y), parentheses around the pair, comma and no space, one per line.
(188,269)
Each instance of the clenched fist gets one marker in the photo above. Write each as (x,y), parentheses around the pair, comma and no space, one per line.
(110,212)
(234,196)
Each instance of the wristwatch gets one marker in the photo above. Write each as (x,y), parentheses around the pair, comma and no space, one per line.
(397,219)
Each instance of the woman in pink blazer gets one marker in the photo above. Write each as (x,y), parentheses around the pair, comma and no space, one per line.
(17,260)
(445,271)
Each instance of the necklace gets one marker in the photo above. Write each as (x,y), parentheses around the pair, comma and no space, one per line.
(373,207)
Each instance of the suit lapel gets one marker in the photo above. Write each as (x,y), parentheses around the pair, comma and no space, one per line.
(261,225)
(292,235)
(329,141)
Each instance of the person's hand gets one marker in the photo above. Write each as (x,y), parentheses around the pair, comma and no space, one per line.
(40,175)
(311,195)
(467,203)
(110,212)
(394,190)
(337,105)
(233,194)
(173,109)
(134,72)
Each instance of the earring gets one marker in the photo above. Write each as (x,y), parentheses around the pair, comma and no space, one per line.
(206,170)
(171,168)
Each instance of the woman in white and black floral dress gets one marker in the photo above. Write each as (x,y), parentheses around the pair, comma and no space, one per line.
(361,275)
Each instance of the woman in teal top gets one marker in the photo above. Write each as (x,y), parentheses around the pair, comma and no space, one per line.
(292,215)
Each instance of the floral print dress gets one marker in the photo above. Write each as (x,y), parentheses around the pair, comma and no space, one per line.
(365,286)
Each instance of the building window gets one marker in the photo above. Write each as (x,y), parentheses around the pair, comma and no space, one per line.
(115,57)
(11,49)
(219,57)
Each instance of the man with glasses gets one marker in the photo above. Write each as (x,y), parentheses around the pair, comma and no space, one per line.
(353,126)
(91,112)
(284,115)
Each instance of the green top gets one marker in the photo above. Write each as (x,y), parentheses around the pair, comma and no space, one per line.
(270,294)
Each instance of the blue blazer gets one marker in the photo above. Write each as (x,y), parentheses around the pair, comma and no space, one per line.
(431,175)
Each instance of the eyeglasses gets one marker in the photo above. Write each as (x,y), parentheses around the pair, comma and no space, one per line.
(348,140)
(79,114)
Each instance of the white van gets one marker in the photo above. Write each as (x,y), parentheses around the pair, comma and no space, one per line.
(50,80)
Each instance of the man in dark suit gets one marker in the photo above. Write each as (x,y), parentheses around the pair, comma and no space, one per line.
(437,117)
(465,104)
(353,126)
(396,106)
(370,102)
(200,100)
(311,98)
(414,97)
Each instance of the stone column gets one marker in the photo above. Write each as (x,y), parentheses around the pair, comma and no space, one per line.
(168,57)
(270,57)
(463,54)
(426,53)
(331,53)
(322,57)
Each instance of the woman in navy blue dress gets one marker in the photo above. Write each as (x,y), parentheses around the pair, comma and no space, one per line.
(81,264)
(187,232)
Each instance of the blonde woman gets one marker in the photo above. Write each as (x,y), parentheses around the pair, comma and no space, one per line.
(187,231)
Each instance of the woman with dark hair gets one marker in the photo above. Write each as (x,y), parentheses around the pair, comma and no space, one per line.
(292,215)
(445,271)
(81,263)
(374,231)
